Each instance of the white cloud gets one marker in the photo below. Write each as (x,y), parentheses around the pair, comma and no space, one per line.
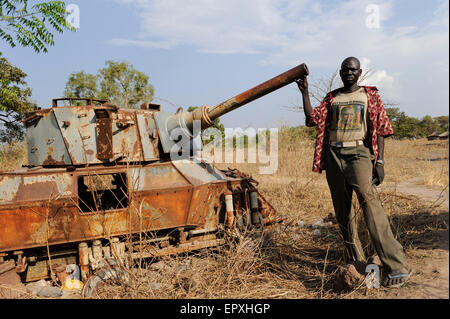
(378,78)
(231,26)
(320,33)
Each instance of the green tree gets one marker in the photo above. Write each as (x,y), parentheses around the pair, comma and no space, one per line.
(428,126)
(442,122)
(118,82)
(406,126)
(81,84)
(14,101)
(123,85)
(29,25)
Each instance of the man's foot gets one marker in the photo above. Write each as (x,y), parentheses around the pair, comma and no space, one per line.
(397,278)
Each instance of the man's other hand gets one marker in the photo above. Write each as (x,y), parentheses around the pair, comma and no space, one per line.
(378,174)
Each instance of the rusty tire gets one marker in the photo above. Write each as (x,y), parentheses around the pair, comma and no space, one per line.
(105,276)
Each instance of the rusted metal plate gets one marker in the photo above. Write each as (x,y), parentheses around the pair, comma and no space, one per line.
(126,144)
(30,227)
(198,173)
(104,134)
(156,176)
(18,188)
(80,135)
(199,205)
(162,209)
(46,146)
(43,207)
(146,135)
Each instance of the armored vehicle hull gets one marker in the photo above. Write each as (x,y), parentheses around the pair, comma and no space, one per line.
(102,189)
(50,218)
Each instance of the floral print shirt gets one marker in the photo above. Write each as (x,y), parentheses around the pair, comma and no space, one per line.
(378,124)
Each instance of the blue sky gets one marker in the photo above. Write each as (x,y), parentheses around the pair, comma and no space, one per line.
(206,51)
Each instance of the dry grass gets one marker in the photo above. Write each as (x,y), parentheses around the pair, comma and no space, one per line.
(289,261)
(12,156)
(420,158)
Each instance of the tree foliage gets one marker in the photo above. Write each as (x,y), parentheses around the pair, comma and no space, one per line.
(28,25)
(410,127)
(14,100)
(118,82)
(81,84)
(122,84)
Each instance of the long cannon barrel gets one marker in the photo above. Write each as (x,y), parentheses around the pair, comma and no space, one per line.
(207,115)
(258,91)
(182,124)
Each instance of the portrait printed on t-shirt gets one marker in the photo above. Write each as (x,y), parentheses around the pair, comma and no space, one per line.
(348,116)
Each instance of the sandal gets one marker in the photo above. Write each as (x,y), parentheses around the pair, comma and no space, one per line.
(398,280)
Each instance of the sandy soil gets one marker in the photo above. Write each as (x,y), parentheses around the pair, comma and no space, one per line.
(430,258)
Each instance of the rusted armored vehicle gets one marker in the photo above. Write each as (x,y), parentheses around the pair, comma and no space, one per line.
(101,188)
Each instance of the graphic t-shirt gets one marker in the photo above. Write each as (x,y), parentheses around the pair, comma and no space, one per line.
(349,116)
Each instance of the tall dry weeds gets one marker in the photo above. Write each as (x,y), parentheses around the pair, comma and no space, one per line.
(290,261)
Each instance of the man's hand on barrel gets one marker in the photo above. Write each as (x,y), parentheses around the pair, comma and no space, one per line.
(302,84)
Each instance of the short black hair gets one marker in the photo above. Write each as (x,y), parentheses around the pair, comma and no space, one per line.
(349,59)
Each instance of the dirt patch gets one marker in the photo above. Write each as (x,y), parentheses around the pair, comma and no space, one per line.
(428,255)
(438,197)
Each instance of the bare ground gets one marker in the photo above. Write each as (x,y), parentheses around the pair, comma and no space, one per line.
(430,256)
(422,227)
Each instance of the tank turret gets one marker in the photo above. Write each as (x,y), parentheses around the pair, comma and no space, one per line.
(101,133)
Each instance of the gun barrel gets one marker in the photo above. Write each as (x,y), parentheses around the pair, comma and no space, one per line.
(258,91)
(183,122)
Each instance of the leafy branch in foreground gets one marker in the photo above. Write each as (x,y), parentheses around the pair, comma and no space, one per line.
(29,26)
(14,101)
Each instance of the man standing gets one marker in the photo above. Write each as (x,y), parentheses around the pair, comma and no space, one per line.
(351,126)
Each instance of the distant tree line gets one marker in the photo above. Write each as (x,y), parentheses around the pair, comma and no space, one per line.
(404,126)
(410,127)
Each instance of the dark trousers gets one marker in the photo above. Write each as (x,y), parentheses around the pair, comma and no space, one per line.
(349,169)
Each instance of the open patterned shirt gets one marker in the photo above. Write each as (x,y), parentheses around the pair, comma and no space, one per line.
(378,123)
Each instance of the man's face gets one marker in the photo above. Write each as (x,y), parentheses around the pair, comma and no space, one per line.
(350,72)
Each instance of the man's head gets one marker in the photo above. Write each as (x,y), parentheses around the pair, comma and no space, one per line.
(350,71)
